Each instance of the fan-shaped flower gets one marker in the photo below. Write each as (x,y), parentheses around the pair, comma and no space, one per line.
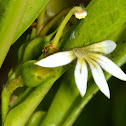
(91,55)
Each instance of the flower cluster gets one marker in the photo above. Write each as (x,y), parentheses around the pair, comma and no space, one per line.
(91,55)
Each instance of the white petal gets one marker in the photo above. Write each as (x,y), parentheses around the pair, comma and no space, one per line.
(110,67)
(81,76)
(99,78)
(57,59)
(105,47)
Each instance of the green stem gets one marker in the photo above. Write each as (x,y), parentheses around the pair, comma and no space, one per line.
(40,20)
(48,37)
(33,34)
(61,27)
(53,21)
(21,98)
(6,94)
(5,98)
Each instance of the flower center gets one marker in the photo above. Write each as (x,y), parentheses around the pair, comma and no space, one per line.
(80,52)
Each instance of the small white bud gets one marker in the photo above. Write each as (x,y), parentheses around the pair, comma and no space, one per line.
(80,14)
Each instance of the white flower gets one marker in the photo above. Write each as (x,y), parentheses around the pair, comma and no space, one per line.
(91,55)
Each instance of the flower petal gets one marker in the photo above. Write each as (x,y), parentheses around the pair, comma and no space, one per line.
(81,76)
(105,47)
(57,59)
(99,78)
(110,67)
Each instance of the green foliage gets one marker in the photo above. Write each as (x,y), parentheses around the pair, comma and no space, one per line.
(32,11)
(16,17)
(105,20)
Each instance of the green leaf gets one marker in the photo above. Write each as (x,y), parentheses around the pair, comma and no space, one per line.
(9,23)
(17,16)
(33,9)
